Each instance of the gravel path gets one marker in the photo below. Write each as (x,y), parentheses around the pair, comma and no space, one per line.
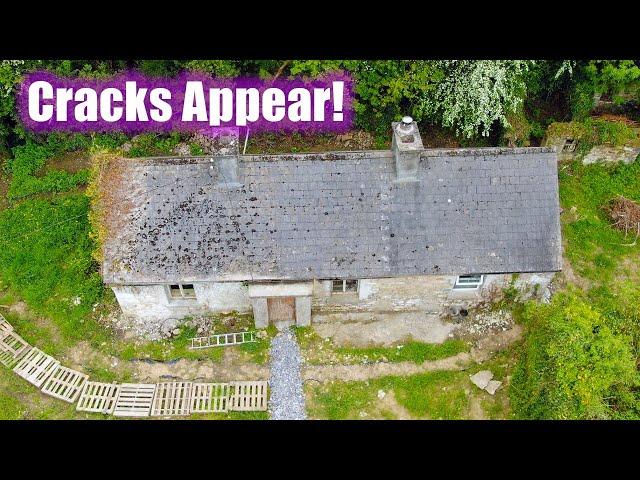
(287,395)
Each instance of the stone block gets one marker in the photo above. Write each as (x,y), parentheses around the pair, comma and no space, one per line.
(481,379)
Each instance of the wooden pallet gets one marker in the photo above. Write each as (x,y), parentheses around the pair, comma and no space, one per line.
(223,340)
(209,397)
(36,366)
(248,396)
(172,398)
(134,400)
(12,348)
(98,397)
(13,343)
(65,384)
(5,326)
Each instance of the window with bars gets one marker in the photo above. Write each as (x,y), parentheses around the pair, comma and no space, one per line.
(344,286)
(468,282)
(182,291)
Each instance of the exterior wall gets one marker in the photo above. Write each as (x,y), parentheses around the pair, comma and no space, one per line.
(152,301)
(316,303)
(428,293)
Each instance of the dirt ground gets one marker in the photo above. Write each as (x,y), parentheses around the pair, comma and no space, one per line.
(482,351)
(232,367)
(71,162)
(387,329)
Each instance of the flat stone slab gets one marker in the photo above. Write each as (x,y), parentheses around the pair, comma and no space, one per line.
(481,379)
(492,386)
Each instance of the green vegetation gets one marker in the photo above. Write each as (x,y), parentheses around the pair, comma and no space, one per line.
(19,400)
(30,158)
(319,350)
(151,144)
(580,354)
(573,365)
(593,247)
(416,352)
(46,258)
(591,132)
(433,395)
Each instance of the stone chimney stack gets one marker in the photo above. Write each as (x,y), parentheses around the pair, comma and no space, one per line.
(227,170)
(406,146)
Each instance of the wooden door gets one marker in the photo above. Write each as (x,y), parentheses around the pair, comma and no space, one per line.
(282,309)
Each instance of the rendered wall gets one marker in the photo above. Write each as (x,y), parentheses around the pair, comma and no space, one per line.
(152,301)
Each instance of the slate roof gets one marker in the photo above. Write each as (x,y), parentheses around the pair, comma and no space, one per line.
(334,215)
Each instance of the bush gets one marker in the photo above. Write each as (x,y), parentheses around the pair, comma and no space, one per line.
(46,258)
(29,158)
(151,144)
(572,365)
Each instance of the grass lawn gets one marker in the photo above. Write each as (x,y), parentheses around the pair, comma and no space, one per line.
(441,395)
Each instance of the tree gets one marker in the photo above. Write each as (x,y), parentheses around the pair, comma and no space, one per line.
(385,89)
(474,94)
(216,68)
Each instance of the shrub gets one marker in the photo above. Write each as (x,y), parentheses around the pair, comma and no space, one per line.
(151,144)
(29,158)
(572,365)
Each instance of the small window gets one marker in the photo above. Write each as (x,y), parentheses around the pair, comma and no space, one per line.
(344,286)
(468,282)
(569,145)
(182,290)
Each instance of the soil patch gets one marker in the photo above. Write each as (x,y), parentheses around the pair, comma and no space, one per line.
(232,367)
(269,143)
(387,329)
(482,351)
(71,162)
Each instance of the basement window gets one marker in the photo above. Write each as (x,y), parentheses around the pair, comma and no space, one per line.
(344,286)
(468,282)
(182,290)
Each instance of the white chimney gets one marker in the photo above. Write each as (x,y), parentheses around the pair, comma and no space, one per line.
(406,146)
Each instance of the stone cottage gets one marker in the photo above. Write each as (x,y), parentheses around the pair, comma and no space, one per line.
(301,238)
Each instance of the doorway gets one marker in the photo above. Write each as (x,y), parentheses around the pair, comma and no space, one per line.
(282,311)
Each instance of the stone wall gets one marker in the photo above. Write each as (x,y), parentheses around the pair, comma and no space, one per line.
(608,154)
(566,137)
(427,293)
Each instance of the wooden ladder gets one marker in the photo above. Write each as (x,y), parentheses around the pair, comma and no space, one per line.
(223,340)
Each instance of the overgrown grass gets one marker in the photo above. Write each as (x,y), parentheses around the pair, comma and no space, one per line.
(594,131)
(593,246)
(416,352)
(580,355)
(151,144)
(30,158)
(19,400)
(45,256)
